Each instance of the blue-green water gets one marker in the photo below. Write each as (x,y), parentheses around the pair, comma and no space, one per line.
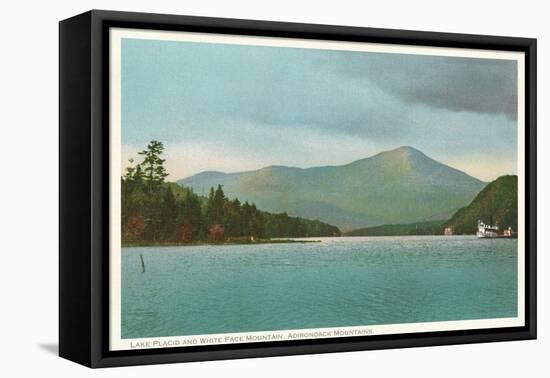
(338,282)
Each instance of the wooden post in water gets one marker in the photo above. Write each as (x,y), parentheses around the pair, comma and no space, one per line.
(142,263)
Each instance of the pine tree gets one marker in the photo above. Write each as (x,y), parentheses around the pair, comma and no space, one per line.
(153,165)
(137,178)
(210,209)
(134,174)
(215,212)
(168,215)
(191,215)
(130,170)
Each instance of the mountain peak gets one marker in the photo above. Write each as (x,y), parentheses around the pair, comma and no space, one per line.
(407,150)
(404,159)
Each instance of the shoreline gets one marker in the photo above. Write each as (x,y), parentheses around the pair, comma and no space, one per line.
(221,243)
(126,244)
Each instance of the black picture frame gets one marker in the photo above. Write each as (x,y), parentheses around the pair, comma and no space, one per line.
(84,187)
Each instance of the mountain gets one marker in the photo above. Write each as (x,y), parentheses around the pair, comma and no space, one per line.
(417,228)
(498,202)
(398,186)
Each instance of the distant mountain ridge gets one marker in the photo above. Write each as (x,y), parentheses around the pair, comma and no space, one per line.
(417,228)
(398,186)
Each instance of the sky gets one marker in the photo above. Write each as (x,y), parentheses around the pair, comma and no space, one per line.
(232,108)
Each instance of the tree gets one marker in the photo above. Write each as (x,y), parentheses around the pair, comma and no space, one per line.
(133,228)
(138,175)
(134,174)
(246,216)
(216,232)
(191,213)
(168,215)
(256,224)
(215,213)
(154,172)
(129,175)
(233,220)
(185,233)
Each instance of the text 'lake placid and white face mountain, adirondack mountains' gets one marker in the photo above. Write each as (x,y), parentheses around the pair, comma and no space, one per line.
(398,186)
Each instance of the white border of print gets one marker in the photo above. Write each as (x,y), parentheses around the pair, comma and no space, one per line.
(115,340)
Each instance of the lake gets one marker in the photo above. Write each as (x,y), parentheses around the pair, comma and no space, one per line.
(347,281)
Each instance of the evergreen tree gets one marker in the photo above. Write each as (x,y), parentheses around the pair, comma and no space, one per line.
(133,175)
(168,215)
(130,170)
(137,178)
(215,206)
(246,217)
(153,165)
(233,220)
(210,208)
(191,215)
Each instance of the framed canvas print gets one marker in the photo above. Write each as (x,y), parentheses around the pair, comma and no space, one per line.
(234,188)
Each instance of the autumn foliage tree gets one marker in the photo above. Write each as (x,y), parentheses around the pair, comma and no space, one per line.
(185,233)
(135,226)
(216,232)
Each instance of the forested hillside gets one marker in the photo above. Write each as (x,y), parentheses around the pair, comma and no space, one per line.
(417,228)
(496,203)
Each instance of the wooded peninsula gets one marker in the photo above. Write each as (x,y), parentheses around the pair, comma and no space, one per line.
(157,212)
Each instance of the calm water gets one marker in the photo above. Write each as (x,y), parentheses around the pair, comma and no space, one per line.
(338,282)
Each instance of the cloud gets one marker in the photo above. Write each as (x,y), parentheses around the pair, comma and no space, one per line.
(457,84)
(367,94)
